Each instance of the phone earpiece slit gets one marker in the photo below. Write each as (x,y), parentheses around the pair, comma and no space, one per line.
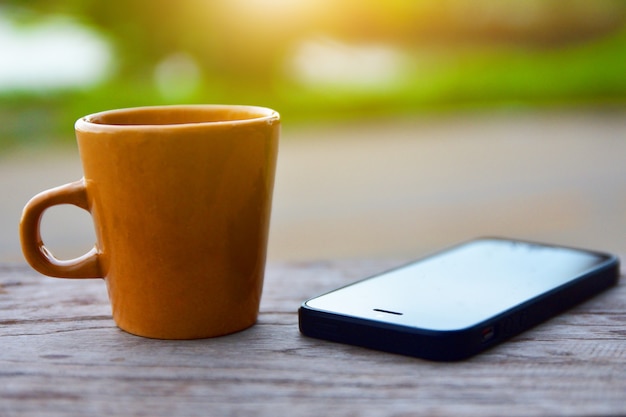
(395,313)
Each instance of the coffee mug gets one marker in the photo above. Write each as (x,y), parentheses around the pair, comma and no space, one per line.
(180,198)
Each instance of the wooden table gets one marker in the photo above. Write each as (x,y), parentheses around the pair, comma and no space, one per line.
(61,355)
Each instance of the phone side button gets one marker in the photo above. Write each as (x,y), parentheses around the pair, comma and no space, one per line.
(487,334)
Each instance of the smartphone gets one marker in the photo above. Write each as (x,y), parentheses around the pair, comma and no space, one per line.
(461,301)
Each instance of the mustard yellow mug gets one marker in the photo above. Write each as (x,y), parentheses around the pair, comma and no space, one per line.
(180,197)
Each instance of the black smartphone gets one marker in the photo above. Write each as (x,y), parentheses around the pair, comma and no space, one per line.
(458,302)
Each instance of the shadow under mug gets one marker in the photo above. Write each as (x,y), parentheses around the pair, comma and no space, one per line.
(180,198)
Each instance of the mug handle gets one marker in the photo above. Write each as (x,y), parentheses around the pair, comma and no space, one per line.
(35,252)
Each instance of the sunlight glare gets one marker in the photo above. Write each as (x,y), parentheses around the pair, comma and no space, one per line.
(262,17)
(283,8)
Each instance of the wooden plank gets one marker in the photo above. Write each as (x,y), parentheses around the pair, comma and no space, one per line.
(61,355)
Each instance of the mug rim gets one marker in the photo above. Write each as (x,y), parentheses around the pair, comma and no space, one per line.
(96,122)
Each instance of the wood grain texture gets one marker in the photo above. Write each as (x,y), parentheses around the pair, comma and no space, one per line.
(61,355)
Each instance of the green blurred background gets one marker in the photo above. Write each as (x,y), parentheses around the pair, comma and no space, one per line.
(309,59)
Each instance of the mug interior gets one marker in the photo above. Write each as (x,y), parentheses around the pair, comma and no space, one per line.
(176,115)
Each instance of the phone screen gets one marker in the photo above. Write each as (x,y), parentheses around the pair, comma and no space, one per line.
(462,286)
